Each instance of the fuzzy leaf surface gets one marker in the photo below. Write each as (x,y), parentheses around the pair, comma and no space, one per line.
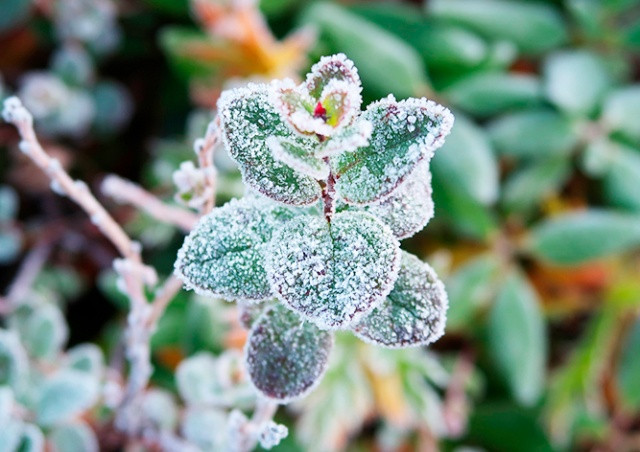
(223,255)
(248,119)
(286,357)
(333,274)
(410,207)
(414,313)
(404,133)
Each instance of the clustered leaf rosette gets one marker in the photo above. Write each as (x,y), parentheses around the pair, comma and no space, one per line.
(333,190)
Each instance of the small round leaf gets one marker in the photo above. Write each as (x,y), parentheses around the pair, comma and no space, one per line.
(286,357)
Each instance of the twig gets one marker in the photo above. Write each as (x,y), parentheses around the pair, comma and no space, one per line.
(127,192)
(205,149)
(164,295)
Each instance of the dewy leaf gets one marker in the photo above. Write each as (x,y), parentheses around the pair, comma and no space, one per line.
(517,339)
(334,67)
(248,118)
(286,357)
(333,274)
(577,237)
(410,207)
(414,313)
(297,157)
(404,133)
(223,255)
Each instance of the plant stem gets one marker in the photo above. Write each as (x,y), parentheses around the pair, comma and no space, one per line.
(328,195)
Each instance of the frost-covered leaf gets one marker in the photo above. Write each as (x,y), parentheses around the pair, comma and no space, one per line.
(301,159)
(621,110)
(248,118)
(205,427)
(410,207)
(223,255)
(86,358)
(43,330)
(32,439)
(347,139)
(13,360)
(404,133)
(76,437)
(414,313)
(206,380)
(8,203)
(286,356)
(65,395)
(333,274)
(159,409)
(334,67)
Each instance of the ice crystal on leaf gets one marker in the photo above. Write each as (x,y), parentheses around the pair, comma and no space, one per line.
(404,133)
(248,119)
(223,255)
(333,273)
(286,356)
(335,264)
(414,313)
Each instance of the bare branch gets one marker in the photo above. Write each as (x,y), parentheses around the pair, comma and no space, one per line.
(127,192)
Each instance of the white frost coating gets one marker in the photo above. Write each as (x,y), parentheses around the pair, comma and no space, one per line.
(336,66)
(301,160)
(286,357)
(413,314)
(333,274)
(248,118)
(404,133)
(410,207)
(223,256)
(348,139)
(272,435)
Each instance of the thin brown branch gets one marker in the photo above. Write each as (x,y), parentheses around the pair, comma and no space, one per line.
(127,192)
(205,149)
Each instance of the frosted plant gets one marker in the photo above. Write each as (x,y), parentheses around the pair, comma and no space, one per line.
(332,190)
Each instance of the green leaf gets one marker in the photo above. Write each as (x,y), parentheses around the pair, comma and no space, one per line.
(286,357)
(577,237)
(621,177)
(333,274)
(533,27)
(76,437)
(248,119)
(517,339)
(396,68)
(65,395)
(10,435)
(414,313)
(409,208)
(223,255)
(526,187)
(449,46)
(576,81)
(629,370)
(468,159)
(533,134)
(183,45)
(404,133)
(86,358)
(620,111)
(8,203)
(471,288)
(488,93)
